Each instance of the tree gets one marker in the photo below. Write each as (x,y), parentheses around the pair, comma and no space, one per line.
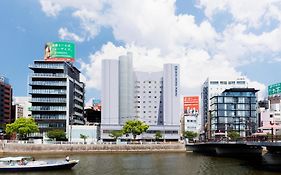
(22,126)
(190,135)
(233,135)
(57,134)
(84,137)
(116,134)
(158,135)
(134,127)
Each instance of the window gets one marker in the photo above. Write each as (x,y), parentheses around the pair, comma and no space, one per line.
(241,82)
(214,82)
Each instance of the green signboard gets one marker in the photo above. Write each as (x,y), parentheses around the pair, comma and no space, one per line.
(58,50)
(274,89)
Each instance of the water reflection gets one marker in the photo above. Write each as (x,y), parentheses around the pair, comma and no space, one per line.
(154,163)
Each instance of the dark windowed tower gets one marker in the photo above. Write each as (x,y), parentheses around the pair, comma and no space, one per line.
(234,110)
(57,95)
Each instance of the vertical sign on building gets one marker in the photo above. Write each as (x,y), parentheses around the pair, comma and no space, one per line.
(176,81)
(191,105)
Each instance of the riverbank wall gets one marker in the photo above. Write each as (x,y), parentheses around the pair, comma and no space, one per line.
(80,148)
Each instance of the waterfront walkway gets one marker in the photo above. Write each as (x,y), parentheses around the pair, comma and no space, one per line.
(66,147)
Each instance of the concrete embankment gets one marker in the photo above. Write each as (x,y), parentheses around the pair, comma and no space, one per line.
(64,148)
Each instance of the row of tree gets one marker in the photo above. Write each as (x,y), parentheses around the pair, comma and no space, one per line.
(133,127)
(24,126)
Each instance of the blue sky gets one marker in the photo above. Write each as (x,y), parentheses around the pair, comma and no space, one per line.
(206,38)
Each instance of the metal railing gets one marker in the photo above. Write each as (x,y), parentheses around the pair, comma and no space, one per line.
(49,75)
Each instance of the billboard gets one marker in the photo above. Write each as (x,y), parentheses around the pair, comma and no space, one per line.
(274,89)
(191,104)
(59,51)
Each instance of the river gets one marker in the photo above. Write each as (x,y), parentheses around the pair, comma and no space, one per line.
(152,164)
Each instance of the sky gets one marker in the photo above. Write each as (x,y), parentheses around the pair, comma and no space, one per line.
(218,38)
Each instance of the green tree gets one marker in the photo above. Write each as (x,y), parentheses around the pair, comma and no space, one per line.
(116,134)
(158,135)
(233,135)
(84,137)
(22,127)
(134,127)
(57,134)
(190,135)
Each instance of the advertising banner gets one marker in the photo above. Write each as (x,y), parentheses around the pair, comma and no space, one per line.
(274,89)
(191,104)
(59,51)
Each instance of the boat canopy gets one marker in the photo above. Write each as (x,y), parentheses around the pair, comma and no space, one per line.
(6,159)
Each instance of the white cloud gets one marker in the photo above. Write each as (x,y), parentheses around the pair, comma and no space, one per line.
(156,34)
(66,35)
(250,12)
(50,8)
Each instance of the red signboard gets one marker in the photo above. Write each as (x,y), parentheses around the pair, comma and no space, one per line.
(191,104)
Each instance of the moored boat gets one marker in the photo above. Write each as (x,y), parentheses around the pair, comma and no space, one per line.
(29,164)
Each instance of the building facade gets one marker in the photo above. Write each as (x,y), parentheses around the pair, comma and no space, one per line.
(57,95)
(25,104)
(149,97)
(5,103)
(234,110)
(212,87)
(191,114)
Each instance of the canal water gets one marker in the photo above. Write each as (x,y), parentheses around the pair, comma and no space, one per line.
(152,164)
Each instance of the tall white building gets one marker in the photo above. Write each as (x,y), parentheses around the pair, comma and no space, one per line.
(126,87)
(110,92)
(152,97)
(213,87)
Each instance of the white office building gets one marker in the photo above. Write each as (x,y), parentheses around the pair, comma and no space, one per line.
(152,97)
(213,87)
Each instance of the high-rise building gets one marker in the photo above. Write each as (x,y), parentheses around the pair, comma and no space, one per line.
(5,103)
(57,94)
(212,87)
(110,92)
(149,97)
(234,110)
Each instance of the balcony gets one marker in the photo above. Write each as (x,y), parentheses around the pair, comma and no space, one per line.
(78,99)
(46,66)
(48,75)
(78,91)
(78,106)
(48,117)
(48,108)
(48,83)
(47,91)
(49,100)
(78,114)
(80,122)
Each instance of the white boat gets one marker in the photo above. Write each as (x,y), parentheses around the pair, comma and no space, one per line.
(29,164)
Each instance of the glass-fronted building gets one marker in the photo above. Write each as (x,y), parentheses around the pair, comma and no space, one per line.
(234,110)
(57,95)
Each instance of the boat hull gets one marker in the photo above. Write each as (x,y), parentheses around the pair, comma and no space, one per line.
(48,167)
